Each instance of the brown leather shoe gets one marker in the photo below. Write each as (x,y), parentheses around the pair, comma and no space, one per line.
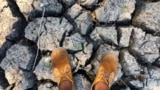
(61,66)
(107,69)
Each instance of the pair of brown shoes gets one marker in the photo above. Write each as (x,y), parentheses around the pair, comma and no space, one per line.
(62,70)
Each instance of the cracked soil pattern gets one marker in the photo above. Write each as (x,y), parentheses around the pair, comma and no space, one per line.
(31,29)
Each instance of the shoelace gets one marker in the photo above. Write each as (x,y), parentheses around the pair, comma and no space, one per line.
(66,73)
(104,76)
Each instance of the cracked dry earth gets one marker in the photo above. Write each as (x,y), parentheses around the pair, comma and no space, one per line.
(31,29)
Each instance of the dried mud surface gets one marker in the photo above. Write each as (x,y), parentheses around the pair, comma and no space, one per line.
(31,29)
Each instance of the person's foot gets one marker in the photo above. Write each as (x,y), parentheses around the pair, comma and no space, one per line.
(61,68)
(106,72)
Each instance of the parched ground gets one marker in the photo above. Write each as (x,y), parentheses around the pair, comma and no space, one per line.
(31,29)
